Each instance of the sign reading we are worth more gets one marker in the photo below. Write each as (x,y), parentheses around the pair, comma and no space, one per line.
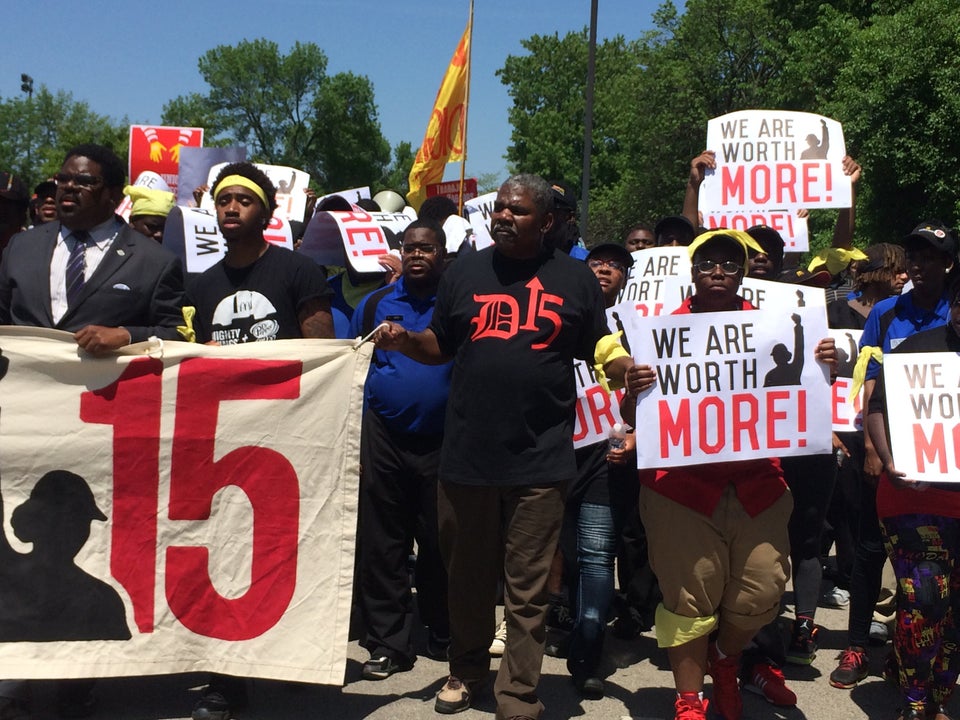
(177,508)
(731,386)
(923,414)
(772,162)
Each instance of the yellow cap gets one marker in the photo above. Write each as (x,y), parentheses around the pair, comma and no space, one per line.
(737,236)
(149,202)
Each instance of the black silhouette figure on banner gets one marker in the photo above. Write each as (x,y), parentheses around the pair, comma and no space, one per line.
(623,338)
(787,371)
(283,188)
(846,361)
(44,594)
(817,148)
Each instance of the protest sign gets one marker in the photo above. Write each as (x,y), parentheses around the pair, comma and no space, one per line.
(197,502)
(195,164)
(451,189)
(289,182)
(923,414)
(192,234)
(351,195)
(847,412)
(478,213)
(157,148)
(653,272)
(339,238)
(774,161)
(731,386)
(792,229)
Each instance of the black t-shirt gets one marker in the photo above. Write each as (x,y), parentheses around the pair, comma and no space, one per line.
(257,302)
(840,316)
(514,328)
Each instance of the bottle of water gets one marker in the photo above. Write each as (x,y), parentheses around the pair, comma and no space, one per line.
(617,437)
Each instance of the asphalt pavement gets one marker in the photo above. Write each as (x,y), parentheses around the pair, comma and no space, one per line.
(639,686)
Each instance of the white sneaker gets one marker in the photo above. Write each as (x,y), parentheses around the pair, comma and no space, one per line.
(499,644)
(879,633)
(835,597)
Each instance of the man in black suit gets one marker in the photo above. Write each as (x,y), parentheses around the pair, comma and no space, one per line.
(91,274)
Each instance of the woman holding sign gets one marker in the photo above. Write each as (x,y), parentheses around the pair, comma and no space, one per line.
(717,532)
(921,528)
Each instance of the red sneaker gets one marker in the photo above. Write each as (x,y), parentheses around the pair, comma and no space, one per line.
(767,681)
(727,701)
(690,709)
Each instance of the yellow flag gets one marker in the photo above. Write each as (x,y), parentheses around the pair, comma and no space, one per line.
(445,140)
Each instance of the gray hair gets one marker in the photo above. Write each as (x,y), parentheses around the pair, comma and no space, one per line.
(537,187)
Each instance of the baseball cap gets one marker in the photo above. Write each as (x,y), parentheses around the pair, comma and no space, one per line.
(619,252)
(939,236)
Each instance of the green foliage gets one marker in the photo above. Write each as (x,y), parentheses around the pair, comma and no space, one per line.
(888,70)
(288,111)
(397,176)
(38,132)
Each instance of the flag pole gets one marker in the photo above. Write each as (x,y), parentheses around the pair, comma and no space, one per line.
(466,106)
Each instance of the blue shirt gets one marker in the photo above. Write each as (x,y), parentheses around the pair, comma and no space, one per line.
(907,319)
(409,396)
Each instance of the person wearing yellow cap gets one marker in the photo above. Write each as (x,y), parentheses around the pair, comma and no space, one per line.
(150,209)
(717,532)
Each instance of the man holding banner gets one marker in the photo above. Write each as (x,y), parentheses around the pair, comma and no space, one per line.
(730,571)
(512,317)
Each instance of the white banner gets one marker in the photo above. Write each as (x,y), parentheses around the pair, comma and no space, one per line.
(478,213)
(775,160)
(178,508)
(923,414)
(731,386)
(847,413)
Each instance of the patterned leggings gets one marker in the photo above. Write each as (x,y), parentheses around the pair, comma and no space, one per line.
(924,551)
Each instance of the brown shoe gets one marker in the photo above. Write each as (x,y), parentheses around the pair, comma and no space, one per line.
(454,697)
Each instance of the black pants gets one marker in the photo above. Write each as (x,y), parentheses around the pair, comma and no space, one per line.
(398,504)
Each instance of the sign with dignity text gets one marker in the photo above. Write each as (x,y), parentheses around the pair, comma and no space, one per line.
(731,386)
(195,516)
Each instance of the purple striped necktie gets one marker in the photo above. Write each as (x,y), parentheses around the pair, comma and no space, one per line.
(75,266)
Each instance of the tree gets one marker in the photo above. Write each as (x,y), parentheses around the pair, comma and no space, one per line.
(38,132)
(397,176)
(288,111)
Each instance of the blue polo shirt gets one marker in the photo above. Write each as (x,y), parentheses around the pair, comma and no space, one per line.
(409,396)
(906,320)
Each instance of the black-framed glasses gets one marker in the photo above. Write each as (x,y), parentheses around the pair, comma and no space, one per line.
(596,264)
(729,267)
(419,249)
(81,180)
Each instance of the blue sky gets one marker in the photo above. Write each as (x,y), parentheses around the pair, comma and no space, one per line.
(129,58)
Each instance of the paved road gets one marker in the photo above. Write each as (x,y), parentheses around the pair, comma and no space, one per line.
(639,686)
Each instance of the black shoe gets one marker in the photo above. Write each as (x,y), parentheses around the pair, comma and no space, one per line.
(559,617)
(626,626)
(559,648)
(382,667)
(437,646)
(803,642)
(591,688)
(211,706)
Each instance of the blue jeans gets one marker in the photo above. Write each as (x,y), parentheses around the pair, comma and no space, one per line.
(596,550)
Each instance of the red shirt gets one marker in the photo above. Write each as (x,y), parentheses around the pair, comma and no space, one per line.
(758,483)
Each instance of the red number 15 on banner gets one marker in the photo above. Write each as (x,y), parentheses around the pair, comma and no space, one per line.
(132,405)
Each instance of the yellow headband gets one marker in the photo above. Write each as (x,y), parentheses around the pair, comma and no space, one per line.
(243,182)
(738,236)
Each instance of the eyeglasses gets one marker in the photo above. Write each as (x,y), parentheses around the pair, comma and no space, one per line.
(419,249)
(729,267)
(612,264)
(81,180)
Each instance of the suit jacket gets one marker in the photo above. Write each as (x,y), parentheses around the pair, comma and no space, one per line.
(138,285)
